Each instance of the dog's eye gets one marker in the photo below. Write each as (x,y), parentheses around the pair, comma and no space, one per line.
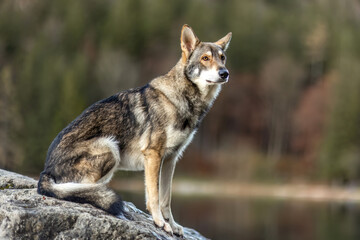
(222,57)
(205,58)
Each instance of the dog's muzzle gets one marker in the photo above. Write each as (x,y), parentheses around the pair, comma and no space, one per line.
(224,74)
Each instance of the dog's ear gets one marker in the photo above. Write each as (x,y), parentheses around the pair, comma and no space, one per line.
(225,41)
(188,41)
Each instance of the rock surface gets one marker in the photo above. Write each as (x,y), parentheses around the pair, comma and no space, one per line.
(24,214)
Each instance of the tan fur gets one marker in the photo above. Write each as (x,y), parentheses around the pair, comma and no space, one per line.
(185,45)
(146,128)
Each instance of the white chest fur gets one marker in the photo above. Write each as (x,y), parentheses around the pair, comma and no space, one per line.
(175,137)
(186,140)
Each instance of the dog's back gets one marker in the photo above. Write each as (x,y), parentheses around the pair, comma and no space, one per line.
(81,158)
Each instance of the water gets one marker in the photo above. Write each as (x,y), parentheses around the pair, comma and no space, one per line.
(263,219)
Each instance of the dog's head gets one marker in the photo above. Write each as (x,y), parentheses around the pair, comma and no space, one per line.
(205,61)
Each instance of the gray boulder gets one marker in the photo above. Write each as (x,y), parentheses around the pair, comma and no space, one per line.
(24,214)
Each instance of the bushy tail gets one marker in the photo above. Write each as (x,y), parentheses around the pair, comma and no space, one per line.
(95,194)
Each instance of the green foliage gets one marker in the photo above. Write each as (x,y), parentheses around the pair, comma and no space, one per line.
(64,55)
(340,158)
(340,154)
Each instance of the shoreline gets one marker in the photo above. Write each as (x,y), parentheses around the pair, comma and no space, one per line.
(293,191)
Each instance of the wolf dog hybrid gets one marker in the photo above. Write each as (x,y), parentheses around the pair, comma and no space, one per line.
(145,128)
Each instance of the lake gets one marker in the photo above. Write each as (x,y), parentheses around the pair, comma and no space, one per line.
(253,218)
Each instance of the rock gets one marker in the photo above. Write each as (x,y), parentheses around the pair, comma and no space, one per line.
(24,214)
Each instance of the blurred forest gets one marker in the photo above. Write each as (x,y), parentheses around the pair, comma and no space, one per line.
(291,110)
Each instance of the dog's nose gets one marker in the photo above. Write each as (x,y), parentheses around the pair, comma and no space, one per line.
(223,73)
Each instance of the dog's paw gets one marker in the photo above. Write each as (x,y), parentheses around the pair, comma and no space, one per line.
(162,224)
(177,229)
(168,228)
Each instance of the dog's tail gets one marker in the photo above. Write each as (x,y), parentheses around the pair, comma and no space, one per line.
(95,194)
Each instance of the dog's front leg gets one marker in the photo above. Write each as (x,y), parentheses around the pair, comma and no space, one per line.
(152,171)
(167,172)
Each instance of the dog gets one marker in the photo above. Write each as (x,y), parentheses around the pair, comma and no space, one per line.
(146,128)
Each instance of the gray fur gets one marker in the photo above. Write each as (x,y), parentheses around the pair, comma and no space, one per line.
(147,127)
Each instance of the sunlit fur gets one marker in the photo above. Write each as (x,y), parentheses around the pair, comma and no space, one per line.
(146,128)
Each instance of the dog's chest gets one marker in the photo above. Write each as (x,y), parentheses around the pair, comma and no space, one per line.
(176,142)
(176,137)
